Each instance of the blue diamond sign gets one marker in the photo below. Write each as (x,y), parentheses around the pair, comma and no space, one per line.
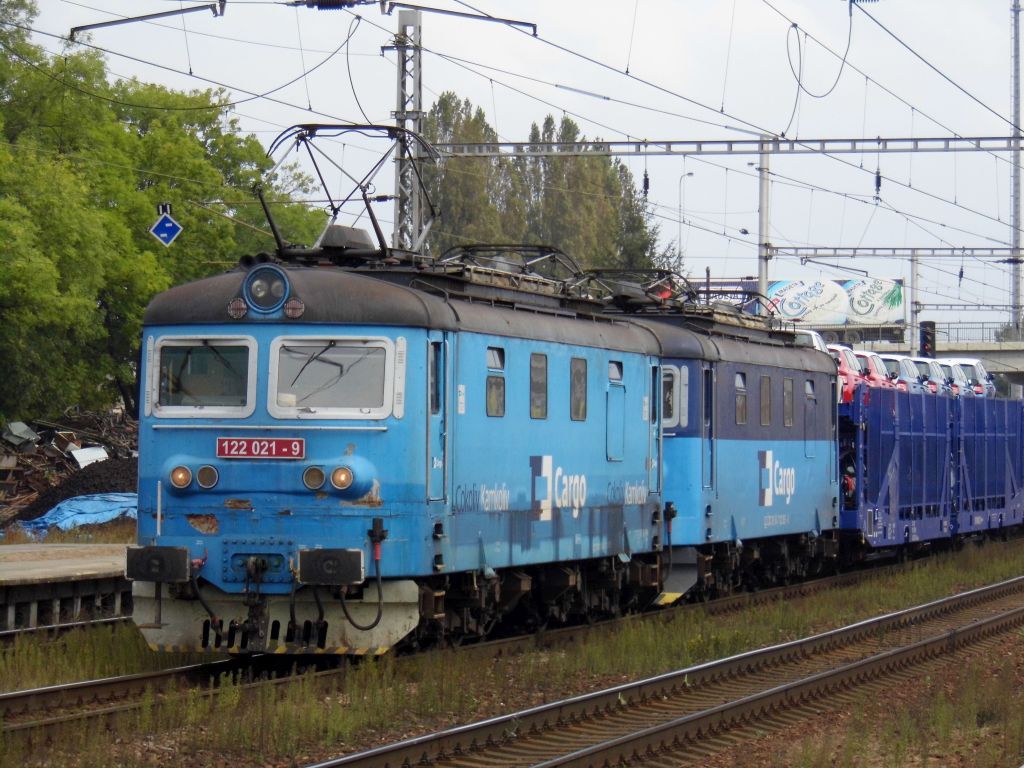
(165,229)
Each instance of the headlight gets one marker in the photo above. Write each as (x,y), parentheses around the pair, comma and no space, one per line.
(266,288)
(181,477)
(313,478)
(342,478)
(207,476)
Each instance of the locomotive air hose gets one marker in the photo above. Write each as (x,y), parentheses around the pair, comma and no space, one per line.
(380,597)
(214,618)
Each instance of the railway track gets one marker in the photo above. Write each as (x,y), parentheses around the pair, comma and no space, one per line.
(40,713)
(685,715)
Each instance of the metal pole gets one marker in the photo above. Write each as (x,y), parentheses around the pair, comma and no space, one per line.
(762,220)
(409,115)
(682,204)
(915,308)
(1015,290)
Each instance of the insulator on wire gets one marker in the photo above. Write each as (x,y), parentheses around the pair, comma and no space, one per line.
(647,183)
(878,183)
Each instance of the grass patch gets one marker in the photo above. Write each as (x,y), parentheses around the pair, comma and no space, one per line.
(120,531)
(87,653)
(971,716)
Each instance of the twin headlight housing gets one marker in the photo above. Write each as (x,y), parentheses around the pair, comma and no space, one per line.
(266,290)
(341,478)
(313,478)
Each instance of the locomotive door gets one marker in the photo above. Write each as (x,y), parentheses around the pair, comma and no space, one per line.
(437,416)
(654,414)
(708,426)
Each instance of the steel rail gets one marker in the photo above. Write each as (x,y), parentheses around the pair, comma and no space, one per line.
(15,703)
(678,734)
(8,635)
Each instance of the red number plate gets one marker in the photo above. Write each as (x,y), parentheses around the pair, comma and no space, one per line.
(261,448)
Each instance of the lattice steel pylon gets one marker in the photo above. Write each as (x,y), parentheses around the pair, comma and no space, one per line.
(409,233)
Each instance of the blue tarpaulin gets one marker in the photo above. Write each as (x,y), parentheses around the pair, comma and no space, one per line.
(84,510)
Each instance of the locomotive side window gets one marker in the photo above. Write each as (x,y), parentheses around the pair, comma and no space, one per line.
(434,368)
(335,377)
(578,389)
(614,370)
(809,389)
(496,358)
(741,398)
(495,384)
(495,395)
(766,401)
(669,396)
(787,402)
(684,396)
(538,386)
(675,396)
(212,374)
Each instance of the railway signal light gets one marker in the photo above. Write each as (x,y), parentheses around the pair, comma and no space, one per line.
(927,338)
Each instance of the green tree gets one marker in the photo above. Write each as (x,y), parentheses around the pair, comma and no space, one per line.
(586,206)
(85,164)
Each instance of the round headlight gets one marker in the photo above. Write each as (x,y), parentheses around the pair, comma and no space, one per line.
(259,289)
(342,478)
(266,288)
(313,478)
(293,308)
(181,477)
(207,476)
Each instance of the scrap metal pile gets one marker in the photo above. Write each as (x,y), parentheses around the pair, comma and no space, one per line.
(44,462)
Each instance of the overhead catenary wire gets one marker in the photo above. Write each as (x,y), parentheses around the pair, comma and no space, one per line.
(585,118)
(554,106)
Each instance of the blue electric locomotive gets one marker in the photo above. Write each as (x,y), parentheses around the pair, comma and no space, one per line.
(748,424)
(348,447)
(341,458)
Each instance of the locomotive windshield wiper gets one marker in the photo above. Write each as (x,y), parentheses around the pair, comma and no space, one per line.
(342,370)
(315,356)
(220,357)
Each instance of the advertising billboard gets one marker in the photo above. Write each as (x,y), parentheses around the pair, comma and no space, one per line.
(866,301)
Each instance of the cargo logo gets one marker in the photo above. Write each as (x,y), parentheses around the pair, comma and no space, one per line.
(553,488)
(774,480)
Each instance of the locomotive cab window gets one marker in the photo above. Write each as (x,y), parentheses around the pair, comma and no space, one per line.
(212,376)
(336,377)
(615,371)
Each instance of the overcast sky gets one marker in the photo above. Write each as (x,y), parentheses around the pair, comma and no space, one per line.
(659,70)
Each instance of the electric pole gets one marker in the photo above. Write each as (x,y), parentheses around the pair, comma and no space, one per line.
(1015,207)
(408,114)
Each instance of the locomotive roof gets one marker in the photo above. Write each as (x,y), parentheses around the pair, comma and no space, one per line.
(720,342)
(349,297)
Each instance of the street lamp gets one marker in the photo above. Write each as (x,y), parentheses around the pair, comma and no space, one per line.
(682,199)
